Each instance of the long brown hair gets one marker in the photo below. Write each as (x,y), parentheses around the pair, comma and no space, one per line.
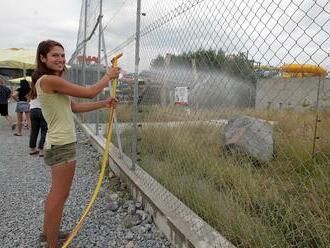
(43,49)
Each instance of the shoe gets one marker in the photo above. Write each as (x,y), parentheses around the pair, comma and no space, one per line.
(13,127)
(62,237)
(16,134)
(34,153)
(41,155)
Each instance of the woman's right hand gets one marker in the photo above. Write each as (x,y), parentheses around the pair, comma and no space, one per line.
(113,73)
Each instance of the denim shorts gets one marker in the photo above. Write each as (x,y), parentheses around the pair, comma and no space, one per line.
(60,154)
(22,107)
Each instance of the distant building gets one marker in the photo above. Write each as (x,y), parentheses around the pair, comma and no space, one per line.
(293,93)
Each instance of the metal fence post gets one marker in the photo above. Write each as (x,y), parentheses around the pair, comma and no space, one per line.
(136,85)
(317,117)
(99,66)
(84,50)
(115,117)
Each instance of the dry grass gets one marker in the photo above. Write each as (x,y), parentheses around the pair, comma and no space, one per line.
(285,203)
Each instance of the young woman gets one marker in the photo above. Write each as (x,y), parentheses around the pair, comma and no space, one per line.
(54,94)
(22,106)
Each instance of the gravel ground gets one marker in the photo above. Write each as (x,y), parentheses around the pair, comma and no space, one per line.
(115,220)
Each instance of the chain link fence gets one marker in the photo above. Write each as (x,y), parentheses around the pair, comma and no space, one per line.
(233,109)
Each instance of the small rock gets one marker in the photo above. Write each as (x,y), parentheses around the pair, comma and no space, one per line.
(113,206)
(113,243)
(132,220)
(142,214)
(114,197)
(131,209)
(147,227)
(127,203)
(130,245)
(129,235)
(138,205)
(149,236)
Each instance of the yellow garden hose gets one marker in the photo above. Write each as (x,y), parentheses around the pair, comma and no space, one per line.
(74,232)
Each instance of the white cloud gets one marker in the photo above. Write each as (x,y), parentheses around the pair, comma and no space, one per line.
(267,29)
(25,23)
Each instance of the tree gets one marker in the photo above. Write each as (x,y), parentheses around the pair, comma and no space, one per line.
(158,62)
(235,64)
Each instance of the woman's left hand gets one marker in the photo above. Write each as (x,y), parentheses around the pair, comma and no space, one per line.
(111,102)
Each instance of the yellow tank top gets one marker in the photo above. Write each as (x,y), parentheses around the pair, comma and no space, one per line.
(56,108)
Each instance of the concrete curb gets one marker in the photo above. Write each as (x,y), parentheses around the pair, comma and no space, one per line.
(179,223)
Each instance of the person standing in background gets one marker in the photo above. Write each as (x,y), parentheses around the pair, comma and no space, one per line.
(5,94)
(22,106)
(38,123)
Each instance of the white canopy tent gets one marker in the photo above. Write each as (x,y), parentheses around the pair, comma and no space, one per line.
(17,58)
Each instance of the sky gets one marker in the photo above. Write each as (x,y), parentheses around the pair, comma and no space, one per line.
(25,23)
(271,32)
(265,29)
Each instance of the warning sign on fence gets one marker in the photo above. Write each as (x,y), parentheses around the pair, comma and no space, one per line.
(181,96)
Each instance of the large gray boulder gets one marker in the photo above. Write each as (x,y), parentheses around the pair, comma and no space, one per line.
(251,136)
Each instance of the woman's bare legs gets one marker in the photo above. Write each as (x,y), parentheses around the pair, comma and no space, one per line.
(10,120)
(19,122)
(62,176)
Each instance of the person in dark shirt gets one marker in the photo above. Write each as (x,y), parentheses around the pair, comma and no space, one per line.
(5,94)
(23,106)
